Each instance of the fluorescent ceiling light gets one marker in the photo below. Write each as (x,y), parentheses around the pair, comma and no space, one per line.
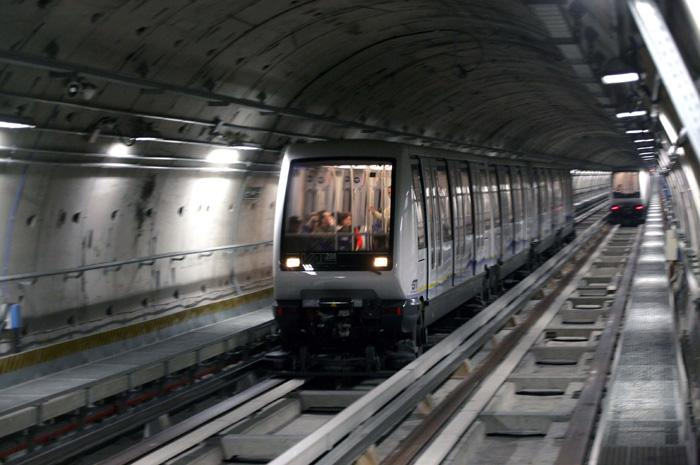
(644,140)
(223,156)
(645,147)
(630,114)
(646,153)
(16,122)
(148,138)
(620,78)
(636,131)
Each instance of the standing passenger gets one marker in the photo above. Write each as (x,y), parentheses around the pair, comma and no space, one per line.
(386,215)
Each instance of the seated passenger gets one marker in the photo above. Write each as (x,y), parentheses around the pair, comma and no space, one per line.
(345,232)
(325,229)
(311,223)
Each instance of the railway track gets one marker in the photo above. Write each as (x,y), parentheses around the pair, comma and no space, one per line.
(509,380)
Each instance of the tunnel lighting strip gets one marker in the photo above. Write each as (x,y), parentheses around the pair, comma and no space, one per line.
(211,169)
(37,62)
(137,158)
(154,139)
(146,261)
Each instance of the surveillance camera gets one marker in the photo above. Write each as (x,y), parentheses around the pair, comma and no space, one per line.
(74,88)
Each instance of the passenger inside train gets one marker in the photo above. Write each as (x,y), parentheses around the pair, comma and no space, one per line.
(347,207)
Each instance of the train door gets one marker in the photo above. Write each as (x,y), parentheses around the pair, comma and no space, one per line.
(439,218)
(419,286)
(468,249)
(497,232)
(486,218)
(505,196)
(480,252)
(530,204)
(544,205)
(569,203)
(429,192)
(446,271)
(457,222)
(518,218)
(558,200)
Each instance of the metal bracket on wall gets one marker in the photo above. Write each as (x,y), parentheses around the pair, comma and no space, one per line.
(74,275)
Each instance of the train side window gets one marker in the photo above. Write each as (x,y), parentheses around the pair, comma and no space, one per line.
(444,200)
(418,205)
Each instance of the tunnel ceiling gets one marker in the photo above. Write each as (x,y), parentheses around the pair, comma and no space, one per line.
(471,75)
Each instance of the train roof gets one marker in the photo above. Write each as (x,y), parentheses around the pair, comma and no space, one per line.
(368,148)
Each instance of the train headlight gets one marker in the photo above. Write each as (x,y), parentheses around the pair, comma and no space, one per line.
(293,262)
(381,262)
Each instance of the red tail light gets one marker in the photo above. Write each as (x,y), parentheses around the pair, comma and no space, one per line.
(614,207)
(391,311)
(286,310)
(639,207)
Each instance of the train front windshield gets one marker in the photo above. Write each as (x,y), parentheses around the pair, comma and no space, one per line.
(625,184)
(337,214)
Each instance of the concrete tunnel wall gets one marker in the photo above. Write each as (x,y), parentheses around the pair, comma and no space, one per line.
(68,217)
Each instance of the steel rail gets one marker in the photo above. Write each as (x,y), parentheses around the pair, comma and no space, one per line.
(373,429)
(138,417)
(142,261)
(421,436)
(579,434)
(159,440)
(334,431)
(590,211)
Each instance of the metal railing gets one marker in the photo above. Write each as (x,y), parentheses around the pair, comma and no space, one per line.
(74,273)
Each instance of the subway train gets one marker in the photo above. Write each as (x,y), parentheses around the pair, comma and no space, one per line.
(374,241)
(629,196)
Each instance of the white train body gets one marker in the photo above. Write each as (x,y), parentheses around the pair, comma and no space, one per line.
(454,225)
(629,196)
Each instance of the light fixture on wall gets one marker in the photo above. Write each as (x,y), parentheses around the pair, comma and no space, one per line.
(646,147)
(223,156)
(620,78)
(118,150)
(631,114)
(668,127)
(639,141)
(636,131)
(16,122)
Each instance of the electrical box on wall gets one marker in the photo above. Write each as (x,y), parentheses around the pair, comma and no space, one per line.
(14,316)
